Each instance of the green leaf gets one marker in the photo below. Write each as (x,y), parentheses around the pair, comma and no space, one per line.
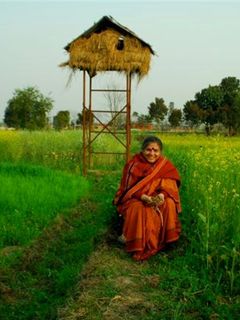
(202,217)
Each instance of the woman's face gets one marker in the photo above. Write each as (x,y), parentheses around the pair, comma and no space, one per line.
(152,152)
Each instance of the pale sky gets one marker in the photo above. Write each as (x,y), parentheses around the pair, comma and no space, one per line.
(197,45)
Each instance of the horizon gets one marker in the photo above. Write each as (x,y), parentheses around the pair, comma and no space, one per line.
(195,42)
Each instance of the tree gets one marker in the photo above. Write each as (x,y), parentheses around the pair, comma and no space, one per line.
(175,117)
(88,116)
(170,107)
(79,120)
(230,109)
(143,120)
(61,120)
(192,113)
(216,104)
(209,101)
(134,118)
(115,102)
(28,109)
(157,110)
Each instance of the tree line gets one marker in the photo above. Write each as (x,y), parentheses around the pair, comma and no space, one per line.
(158,114)
(217,104)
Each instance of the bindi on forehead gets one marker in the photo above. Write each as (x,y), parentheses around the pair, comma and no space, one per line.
(152,149)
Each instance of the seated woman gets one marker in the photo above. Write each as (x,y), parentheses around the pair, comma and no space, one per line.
(148,200)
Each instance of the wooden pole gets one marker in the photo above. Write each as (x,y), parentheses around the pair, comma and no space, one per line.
(128,120)
(90,124)
(84,125)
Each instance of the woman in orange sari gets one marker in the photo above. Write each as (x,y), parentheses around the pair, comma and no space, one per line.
(148,201)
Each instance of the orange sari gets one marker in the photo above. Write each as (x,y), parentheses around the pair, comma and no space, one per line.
(146,228)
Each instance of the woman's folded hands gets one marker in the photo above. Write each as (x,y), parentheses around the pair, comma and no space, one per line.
(153,200)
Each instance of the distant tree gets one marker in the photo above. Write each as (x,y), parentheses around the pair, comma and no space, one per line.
(157,110)
(192,113)
(144,120)
(88,115)
(230,108)
(72,124)
(216,104)
(61,120)
(141,120)
(135,116)
(209,101)
(175,118)
(170,107)
(79,120)
(230,87)
(28,109)
(115,102)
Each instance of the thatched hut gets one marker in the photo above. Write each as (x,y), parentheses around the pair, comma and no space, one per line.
(109,46)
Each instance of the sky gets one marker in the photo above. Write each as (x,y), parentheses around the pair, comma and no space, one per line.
(196,44)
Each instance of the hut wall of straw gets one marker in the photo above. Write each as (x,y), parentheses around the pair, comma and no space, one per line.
(99,53)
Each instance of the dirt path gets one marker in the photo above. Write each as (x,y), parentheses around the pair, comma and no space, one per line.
(114,287)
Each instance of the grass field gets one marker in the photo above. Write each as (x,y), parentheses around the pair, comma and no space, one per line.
(30,197)
(41,179)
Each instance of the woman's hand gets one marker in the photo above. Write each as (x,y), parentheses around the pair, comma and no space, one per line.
(146,199)
(158,200)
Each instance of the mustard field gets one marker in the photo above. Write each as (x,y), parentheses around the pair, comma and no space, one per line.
(210,190)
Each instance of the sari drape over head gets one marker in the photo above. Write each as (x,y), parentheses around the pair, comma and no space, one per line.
(147,228)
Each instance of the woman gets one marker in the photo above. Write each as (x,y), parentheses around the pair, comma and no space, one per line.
(148,200)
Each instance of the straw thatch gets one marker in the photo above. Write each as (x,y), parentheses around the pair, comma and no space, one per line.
(109,46)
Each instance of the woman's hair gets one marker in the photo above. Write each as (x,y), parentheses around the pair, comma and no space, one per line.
(151,139)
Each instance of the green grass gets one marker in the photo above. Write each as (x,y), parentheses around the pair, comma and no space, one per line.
(37,285)
(59,150)
(30,197)
(199,279)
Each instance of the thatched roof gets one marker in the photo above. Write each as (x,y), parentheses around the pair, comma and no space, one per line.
(108,46)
